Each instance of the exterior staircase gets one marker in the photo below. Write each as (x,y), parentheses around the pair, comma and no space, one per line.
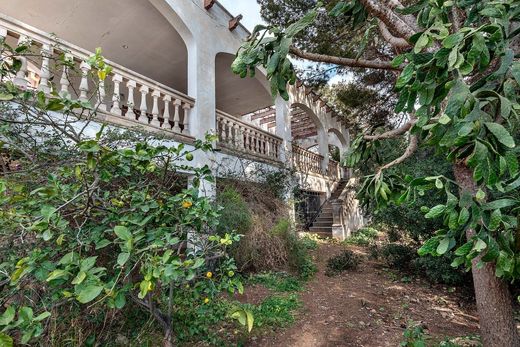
(322,225)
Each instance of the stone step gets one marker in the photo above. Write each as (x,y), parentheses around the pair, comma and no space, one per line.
(324,219)
(318,223)
(321,230)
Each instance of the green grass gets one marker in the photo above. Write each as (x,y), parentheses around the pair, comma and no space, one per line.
(277,281)
(275,311)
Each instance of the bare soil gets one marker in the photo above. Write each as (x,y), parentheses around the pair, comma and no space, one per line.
(368,307)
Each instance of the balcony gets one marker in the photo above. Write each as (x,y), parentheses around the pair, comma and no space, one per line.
(129,99)
(125,97)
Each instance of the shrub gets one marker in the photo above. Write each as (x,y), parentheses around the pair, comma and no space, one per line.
(439,270)
(260,249)
(235,214)
(279,183)
(276,311)
(362,237)
(398,256)
(347,260)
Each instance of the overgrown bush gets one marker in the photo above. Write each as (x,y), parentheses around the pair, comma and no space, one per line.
(362,237)
(398,256)
(439,270)
(346,260)
(235,214)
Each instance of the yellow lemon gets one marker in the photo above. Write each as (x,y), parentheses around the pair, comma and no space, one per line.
(206,300)
(187,204)
(209,274)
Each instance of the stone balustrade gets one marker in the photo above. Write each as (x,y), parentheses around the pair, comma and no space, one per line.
(307,161)
(240,136)
(123,97)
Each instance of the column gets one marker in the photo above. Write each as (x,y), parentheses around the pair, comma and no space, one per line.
(283,129)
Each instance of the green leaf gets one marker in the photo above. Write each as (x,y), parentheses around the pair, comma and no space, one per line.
(480,245)
(89,293)
(429,247)
(501,134)
(443,246)
(421,43)
(8,316)
(405,76)
(452,40)
(494,220)
(464,249)
(56,274)
(122,232)
(79,277)
(398,60)
(301,24)
(5,340)
(122,258)
(498,204)
(250,320)
(435,211)
(463,216)
(42,316)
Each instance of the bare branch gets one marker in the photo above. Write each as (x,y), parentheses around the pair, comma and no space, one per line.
(387,35)
(394,23)
(392,133)
(412,147)
(360,63)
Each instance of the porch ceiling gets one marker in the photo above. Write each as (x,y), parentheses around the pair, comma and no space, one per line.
(131,33)
(238,96)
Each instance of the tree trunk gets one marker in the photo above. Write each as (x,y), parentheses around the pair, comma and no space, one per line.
(494,301)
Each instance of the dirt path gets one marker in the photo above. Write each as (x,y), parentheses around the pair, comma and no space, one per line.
(368,308)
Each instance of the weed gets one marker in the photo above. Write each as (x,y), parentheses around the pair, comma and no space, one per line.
(347,260)
(277,281)
(276,311)
(363,237)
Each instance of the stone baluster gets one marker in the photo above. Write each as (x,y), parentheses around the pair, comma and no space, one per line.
(64,80)
(155,109)
(101,105)
(144,90)
(166,114)
(131,85)
(249,139)
(269,146)
(262,143)
(240,136)
(176,116)
(116,108)
(45,75)
(186,119)
(236,136)
(20,80)
(83,86)
(224,130)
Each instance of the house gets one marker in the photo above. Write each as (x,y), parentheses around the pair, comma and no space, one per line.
(171,75)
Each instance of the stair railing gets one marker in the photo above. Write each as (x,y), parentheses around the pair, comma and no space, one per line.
(313,218)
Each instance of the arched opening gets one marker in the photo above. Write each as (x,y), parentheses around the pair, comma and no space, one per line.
(337,144)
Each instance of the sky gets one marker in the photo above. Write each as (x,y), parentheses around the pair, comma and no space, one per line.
(248,8)
(251,12)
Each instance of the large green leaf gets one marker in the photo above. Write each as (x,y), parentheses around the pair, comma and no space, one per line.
(89,293)
(502,135)
(122,232)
